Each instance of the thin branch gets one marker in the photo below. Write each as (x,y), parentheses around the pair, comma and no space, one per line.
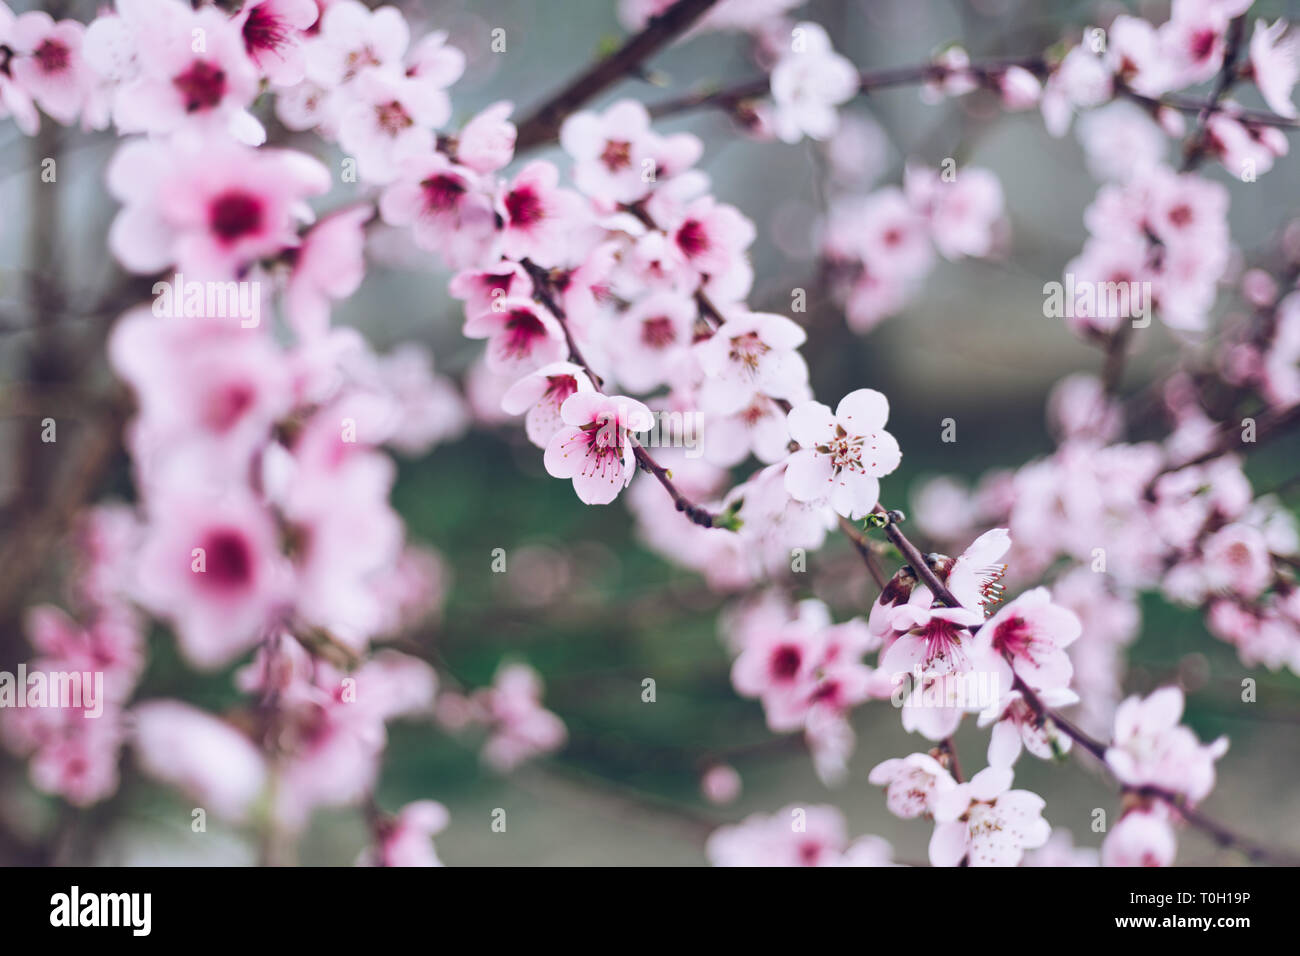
(1221,834)
(1230,440)
(869,81)
(543,124)
(697,513)
(863,546)
(950,752)
(1198,142)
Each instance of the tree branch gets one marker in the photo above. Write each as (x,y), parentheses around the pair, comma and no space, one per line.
(543,124)
(1220,833)
(697,513)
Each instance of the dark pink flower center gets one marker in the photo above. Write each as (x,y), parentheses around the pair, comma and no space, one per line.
(524,207)
(1013,636)
(785,662)
(228,559)
(227,405)
(560,387)
(357,60)
(235,214)
(442,192)
(392,117)
(692,238)
(201,86)
(617,155)
(942,638)
(604,456)
(1203,42)
(523,328)
(52,56)
(658,332)
(263,30)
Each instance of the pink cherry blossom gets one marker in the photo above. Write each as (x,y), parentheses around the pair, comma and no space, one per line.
(842,455)
(442,202)
(388,117)
(206,758)
(792,836)
(15,101)
(214,570)
(995,829)
(487,142)
(721,784)
(48,63)
(407,839)
(751,351)
(808,82)
(653,339)
(522,336)
(211,220)
(914,785)
(1140,838)
(758,427)
(1151,748)
(1275,65)
(328,264)
(352,38)
(1033,632)
(1016,724)
(962,213)
(595,446)
(711,237)
(521,728)
(193,71)
(610,152)
(536,215)
(541,394)
(273,32)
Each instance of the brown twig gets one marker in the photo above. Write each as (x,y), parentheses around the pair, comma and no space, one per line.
(542,291)
(1222,834)
(1229,440)
(543,124)
(869,81)
(1198,142)
(863,546)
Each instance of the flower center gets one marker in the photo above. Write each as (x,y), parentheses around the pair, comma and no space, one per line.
(1203,42)
(942,641)
(522,329)
(227,559)
(785,662)
(747,350)
(357,60)
(617,155)
(1013,636)
(560,387)
(201,86)
(692,238)
(658,332)
(1181,215)
(392,118)
(442,192)
(263,30)
(524,207)
(846,452)
(235,214)
(225,407)
(52,56)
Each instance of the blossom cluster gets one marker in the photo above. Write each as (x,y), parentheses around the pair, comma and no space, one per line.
(612,291)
